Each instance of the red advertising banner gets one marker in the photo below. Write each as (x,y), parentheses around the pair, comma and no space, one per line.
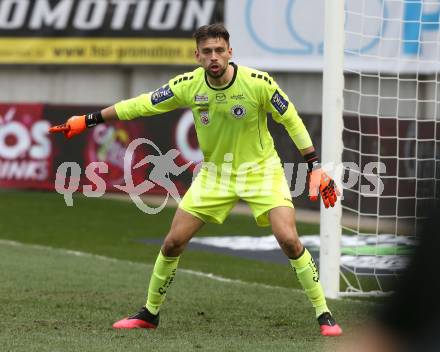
(30,156)
(26,152)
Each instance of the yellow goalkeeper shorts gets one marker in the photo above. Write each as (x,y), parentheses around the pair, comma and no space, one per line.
(211,196)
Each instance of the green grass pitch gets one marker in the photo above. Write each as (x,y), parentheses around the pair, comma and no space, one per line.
(52,299)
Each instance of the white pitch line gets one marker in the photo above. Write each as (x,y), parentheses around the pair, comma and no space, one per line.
(186,271)
(114,260)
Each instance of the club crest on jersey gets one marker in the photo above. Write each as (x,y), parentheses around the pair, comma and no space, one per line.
(161,95)
(238,111)
(279,103)
(204,117)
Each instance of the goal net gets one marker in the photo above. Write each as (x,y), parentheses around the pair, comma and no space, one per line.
(390,137)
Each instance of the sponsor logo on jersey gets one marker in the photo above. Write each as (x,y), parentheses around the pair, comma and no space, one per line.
(161,94)
(204,117)
(279,103)
(220,97)
(238,111)
(202,98)
(237,96)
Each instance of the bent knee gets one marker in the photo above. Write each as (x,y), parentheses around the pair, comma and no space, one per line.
(291,246)
(172,246)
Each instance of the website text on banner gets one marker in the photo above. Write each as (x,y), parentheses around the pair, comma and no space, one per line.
(102,31)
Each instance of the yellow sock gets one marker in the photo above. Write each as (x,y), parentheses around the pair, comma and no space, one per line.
(163,275)
(308,276)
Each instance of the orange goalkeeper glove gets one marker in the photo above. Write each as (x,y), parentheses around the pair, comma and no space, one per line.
(73,126)
(78,124)
(320,182)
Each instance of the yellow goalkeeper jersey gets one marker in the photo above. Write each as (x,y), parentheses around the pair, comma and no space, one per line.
(228,120)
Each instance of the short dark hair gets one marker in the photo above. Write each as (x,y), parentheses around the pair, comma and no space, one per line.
(216,30)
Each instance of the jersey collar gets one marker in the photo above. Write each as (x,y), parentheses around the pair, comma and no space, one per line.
(229,84)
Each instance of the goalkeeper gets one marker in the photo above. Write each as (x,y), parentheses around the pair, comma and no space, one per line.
(230,105)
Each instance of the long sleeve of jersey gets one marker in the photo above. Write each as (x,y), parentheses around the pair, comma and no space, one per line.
(284,112)
(157,102)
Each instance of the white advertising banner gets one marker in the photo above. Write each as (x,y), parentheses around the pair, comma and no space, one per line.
(380,35)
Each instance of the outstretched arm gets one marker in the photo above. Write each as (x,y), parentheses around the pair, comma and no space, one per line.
(109,114)
(157,102)
(77,124)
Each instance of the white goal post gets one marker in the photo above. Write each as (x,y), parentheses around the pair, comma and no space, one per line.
(381,113)
(331,148)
